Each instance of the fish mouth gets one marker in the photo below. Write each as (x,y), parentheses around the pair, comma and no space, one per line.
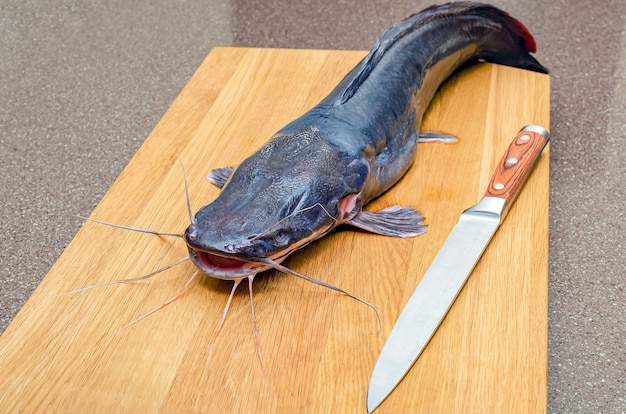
(232,266)
(224,267)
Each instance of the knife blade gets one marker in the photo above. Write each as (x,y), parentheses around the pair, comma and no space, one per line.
(444,279)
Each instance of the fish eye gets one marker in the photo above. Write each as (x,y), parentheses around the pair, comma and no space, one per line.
(280,237)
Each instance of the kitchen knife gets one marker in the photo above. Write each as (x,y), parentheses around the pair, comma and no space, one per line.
(445,277)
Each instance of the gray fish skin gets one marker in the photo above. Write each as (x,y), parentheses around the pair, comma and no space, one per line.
(319,170)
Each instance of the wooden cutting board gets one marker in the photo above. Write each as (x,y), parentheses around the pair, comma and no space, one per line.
(72,353)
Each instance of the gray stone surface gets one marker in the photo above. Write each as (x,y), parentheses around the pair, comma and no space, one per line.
(82,85)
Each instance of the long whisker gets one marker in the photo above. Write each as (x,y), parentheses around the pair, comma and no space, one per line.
(167,302)
(284,269)
(221,324)
(134,279)
(191,219)
(140,230)
(256,330)
(302,210)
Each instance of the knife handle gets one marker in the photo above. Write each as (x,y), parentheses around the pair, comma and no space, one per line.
(517,163)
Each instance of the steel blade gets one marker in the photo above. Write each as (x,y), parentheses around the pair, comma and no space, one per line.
(434,296)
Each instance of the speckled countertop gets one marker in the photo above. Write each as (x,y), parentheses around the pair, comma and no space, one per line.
(81,86)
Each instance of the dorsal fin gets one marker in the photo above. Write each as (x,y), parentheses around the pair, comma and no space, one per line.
(386,42)
(382,45)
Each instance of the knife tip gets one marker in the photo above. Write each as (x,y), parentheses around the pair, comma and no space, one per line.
(371,404)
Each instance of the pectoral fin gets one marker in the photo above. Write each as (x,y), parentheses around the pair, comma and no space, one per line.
(219,176)
(393,221)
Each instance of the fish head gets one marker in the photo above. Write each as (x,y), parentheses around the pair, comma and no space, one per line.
(270,207)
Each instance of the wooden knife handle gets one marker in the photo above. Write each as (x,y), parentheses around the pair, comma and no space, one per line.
(517,163)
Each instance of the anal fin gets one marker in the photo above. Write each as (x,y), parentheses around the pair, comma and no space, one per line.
(432,136)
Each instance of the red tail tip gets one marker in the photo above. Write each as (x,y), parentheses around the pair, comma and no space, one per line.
(527,38)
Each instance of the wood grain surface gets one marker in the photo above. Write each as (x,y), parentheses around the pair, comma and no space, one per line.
(72,353)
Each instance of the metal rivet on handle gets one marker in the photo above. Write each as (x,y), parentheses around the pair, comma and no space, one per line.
(512,160)
(498,186)
(525,137)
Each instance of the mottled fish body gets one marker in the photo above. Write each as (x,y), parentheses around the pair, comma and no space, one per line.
(321,169)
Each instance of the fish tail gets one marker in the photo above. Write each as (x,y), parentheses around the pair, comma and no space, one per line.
(438,30)
(514,43)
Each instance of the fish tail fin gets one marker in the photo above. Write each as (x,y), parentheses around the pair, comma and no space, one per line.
(514,43)
(511,43)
